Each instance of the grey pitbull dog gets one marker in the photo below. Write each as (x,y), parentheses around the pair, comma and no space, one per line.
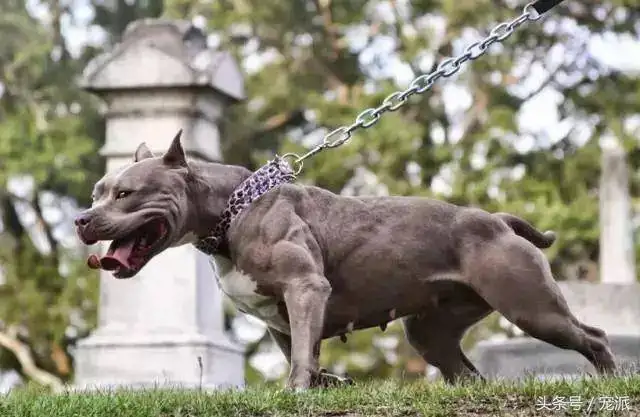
(314,265)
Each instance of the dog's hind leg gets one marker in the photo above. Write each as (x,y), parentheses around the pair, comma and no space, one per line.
(436,333)
(439,348)
(515,279)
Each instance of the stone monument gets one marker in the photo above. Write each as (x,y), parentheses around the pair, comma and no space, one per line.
(163,327)
(613,304)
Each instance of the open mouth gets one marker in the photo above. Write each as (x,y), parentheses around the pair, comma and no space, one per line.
(127,255)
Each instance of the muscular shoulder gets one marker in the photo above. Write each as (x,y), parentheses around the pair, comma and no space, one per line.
(276,217)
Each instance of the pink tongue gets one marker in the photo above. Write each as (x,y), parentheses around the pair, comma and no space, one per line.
(119,257)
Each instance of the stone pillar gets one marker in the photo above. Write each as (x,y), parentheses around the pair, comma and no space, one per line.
(617,257)
(164,326)
(612,305)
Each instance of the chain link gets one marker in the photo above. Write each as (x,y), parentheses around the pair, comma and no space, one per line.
(419,85)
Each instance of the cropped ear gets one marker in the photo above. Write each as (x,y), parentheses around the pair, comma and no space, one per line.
(175,156)
(142,152)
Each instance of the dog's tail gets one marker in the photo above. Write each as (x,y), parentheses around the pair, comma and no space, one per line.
(524,229)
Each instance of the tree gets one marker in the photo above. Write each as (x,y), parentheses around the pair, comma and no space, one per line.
(50,132)
(46,157)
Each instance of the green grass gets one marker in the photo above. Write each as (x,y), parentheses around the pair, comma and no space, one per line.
(367,399)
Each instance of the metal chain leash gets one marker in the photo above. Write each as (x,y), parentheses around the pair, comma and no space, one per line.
(447,68)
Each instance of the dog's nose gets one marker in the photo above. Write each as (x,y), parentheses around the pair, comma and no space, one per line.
(82,220)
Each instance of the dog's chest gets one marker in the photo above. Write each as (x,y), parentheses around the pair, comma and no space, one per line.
(242,290)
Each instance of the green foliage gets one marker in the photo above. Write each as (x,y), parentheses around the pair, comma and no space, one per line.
(114,16)
(47,309)
(50,132)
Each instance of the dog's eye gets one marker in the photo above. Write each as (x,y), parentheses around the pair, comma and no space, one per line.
(123,194)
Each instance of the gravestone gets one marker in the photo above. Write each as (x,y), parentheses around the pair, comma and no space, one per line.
(163,327)
(613,304)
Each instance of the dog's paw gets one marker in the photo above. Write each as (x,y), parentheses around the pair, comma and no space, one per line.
(326,380)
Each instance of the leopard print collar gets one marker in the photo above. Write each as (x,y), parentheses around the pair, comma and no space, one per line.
(269,176)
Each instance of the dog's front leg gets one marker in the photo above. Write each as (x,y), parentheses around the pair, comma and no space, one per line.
(306,298)
(322,379)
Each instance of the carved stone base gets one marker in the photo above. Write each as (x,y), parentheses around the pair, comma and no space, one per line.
(523,357)
(161,361)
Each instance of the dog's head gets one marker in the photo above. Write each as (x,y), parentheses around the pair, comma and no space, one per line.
(143,208)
